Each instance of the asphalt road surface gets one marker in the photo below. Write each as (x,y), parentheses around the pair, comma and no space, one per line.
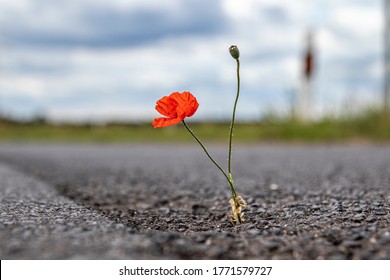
(170,202)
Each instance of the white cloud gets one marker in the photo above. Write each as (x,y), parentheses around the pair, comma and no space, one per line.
(358,21)
(22,86)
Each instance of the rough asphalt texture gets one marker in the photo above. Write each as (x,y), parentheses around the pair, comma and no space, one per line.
(170,202)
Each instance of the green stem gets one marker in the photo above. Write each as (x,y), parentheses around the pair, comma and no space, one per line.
(229,179)
(232,127)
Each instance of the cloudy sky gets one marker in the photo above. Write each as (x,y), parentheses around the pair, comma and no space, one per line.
(98,60)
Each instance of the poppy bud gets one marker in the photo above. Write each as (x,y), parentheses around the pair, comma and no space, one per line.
(234,52)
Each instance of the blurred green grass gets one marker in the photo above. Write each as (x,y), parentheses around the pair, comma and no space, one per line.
(370,126)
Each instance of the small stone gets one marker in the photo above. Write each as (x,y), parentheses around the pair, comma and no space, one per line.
(262,224)
(164,210)
(182,227)
(253,232)
(313,219)
(371,219)
(299,213)
(339,207)
(380,212)
(261,211)
(315,207)
(359,218)
(119,226)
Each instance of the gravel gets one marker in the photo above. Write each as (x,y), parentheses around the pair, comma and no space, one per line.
(169,202)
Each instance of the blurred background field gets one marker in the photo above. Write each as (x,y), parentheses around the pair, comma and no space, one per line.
(371,126)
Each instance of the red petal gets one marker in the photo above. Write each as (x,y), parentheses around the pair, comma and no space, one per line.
(163,122)
(187,103)
(167,106)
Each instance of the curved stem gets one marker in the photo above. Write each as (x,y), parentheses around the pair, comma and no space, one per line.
(233,120)
(230,181)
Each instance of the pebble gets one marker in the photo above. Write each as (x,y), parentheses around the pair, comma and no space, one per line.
(164,210)
(359,218)
(260,211)
(182,227)
(315,207)
(371,219)
(299,213)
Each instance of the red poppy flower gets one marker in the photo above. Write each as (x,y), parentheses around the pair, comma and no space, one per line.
(175,108)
